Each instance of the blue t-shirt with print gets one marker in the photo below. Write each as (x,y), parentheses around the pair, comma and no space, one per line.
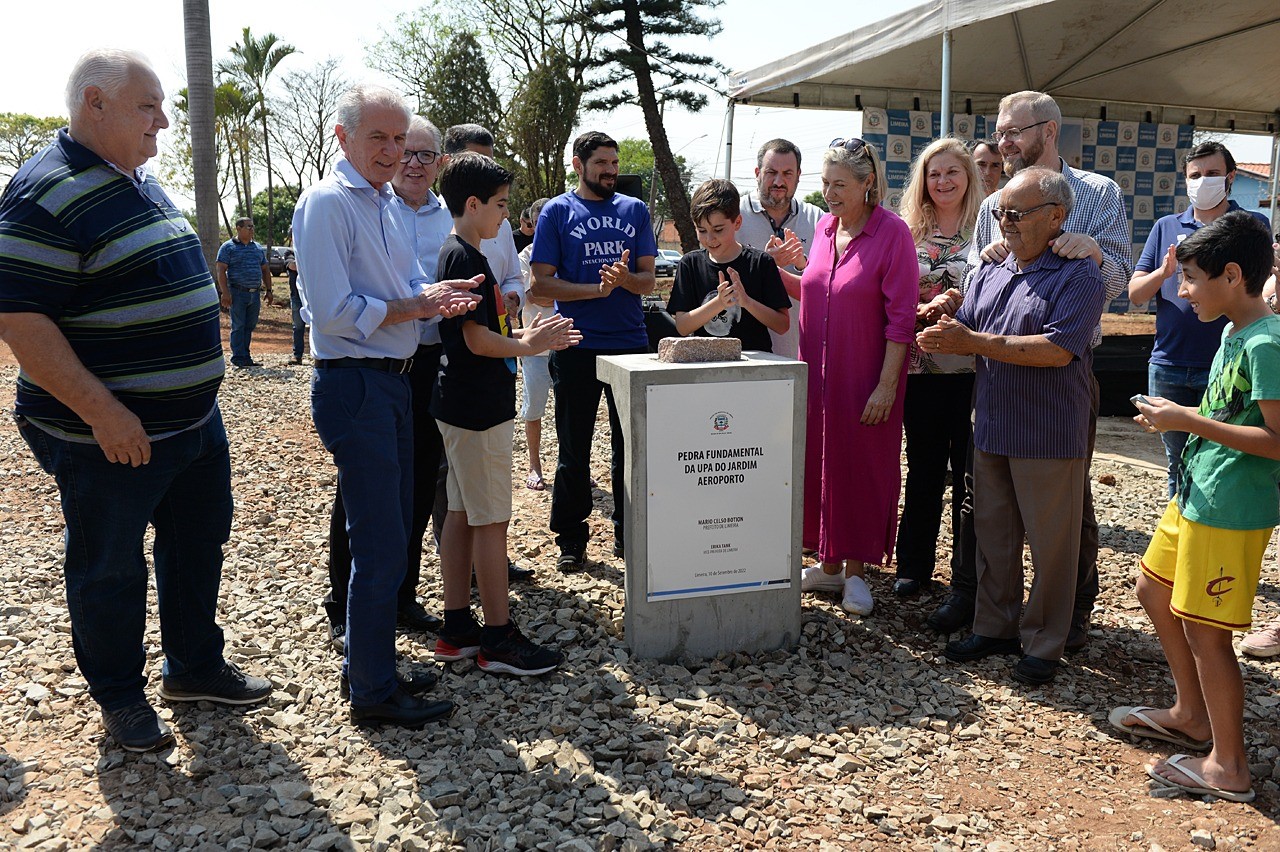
(578,237)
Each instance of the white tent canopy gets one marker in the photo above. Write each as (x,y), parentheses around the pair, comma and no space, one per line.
(1214,65)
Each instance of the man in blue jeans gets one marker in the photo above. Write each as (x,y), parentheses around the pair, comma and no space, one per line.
(107,304)
(1184,346)
(243,274)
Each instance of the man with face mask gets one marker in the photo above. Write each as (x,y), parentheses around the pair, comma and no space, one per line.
(1184,346)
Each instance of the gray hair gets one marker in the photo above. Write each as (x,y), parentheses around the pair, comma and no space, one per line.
(105,68)
(417,122)
(1054,188)
(862,163)
(352,104)
(1041,106)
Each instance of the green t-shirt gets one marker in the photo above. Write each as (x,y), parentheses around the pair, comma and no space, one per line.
(1222,487)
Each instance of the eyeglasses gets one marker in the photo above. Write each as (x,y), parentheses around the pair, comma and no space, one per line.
(1013,134)
(1015,216)
(853,144)
(424,157)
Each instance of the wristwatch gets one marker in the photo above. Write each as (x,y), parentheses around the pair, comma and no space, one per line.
(1271,303)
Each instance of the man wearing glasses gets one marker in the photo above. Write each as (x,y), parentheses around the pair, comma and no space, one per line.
(1096,227)
(773,220)
(1029,318)
(427,223)
(242,274)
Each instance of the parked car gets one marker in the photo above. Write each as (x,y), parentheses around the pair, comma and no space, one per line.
(671,254)
(280,256)
(663,266)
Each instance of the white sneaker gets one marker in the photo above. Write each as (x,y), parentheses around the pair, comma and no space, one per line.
(814,579)
(1263,642)
(857,596)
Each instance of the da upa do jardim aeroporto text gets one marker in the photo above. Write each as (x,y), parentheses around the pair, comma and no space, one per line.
(720,465)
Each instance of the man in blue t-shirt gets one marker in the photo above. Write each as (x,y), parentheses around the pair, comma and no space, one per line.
(1184,346)
(242,275)
(593,253)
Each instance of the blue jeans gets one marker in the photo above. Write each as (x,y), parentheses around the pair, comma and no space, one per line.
(185,494)
(245,306)
(1185,386)
(365,419)
(299,327)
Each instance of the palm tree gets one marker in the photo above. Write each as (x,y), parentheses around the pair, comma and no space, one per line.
(252,62)
(195,15)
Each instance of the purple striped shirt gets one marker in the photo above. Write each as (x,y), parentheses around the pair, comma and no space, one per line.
(1035,412)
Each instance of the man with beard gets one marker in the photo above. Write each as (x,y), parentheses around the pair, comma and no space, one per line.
(1097,227)
(775,221)
(593,253)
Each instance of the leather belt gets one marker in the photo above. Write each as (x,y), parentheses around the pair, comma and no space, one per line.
(386,365)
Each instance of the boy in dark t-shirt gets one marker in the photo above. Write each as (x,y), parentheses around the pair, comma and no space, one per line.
(475,407)
(726,289)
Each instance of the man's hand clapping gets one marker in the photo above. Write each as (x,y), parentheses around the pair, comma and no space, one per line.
(614,275)
(450,298)
(786,252)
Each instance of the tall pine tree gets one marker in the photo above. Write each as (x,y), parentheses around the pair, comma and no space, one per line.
(638,66)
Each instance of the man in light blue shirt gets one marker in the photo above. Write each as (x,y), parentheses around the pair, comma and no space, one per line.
(363,294)
(426,223)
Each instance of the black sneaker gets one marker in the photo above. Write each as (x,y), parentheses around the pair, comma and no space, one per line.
(414,616)
(227,685)
(415,684)
(137,728)
(516,655)
(338,636)
(571,560)
(452,646)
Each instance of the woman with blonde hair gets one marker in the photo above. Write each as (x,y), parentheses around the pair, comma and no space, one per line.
(857,320)
(940,206)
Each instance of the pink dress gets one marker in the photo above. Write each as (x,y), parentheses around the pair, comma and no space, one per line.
(848,309)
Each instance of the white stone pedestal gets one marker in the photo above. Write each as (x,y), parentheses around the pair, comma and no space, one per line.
(712,504)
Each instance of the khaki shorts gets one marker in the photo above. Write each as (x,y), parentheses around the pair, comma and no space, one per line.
(479,480)
(1213,572)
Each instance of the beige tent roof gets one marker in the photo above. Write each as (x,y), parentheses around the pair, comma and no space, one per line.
(1215,64)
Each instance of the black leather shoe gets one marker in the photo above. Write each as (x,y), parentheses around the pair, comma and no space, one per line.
(1034,670)
(619,550)
(975,647)
(571,559)
(402,709)
(1078,637)
(954,613)
(516,574)
(906,588)
(415,617)
(415,684)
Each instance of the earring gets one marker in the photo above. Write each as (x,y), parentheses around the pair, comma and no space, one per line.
(866,197)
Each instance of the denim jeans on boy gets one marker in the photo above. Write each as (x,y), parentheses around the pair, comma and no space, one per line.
(364,417)
(245,306)
(184,492)
(1185,386)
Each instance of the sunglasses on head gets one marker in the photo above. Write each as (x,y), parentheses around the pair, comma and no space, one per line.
(853,144)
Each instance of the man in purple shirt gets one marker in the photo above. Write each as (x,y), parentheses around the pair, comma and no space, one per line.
(1029,319)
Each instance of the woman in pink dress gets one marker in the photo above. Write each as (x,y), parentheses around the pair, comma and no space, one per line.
(857,319)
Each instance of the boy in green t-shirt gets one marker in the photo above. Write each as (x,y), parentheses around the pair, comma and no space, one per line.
(1200,571)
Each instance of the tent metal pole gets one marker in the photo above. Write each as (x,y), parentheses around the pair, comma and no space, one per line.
(728,145)
(945,125)
(1275,167)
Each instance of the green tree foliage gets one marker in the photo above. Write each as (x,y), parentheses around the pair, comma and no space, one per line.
(253,61)
(286,198)
(638,65)
(22,135)
(543,114)
(815,198)
(407,51)
(459,89)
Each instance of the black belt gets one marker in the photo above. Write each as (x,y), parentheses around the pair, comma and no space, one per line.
(386,365)
(244,289)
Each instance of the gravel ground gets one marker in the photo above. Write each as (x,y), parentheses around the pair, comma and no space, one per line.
(861,737)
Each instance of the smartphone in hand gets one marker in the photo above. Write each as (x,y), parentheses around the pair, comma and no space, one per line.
(1139,398)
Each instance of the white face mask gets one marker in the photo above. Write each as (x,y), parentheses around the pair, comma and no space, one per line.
(1206,193)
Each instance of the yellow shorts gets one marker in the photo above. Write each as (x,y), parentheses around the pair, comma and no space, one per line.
(479,481)
(1213,572)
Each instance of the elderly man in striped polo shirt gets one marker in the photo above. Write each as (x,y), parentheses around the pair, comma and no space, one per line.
(108,305)
(1029,318)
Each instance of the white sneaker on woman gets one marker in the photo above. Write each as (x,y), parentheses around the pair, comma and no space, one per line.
(857,596)
(814,579)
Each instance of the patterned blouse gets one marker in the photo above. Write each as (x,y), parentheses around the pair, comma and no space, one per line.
(943,265)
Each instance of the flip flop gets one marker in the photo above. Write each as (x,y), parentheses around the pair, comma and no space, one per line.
(1204,788)
(534,482)
(1148,728)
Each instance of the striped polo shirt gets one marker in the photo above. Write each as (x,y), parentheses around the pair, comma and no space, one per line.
(119,270)
(1035,412)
